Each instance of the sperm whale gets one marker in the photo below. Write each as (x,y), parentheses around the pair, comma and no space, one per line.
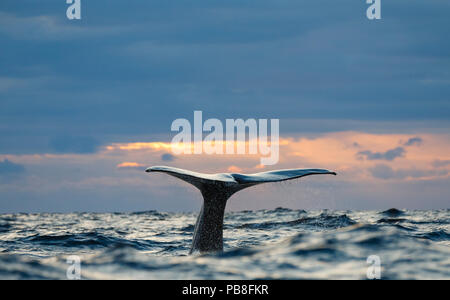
(216,189)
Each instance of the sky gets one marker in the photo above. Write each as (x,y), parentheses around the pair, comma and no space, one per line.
(86,105)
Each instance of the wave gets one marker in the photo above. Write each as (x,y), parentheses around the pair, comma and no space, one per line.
(393,212)
(5,227)
(324,220)
(391,220)
(150,213)
(437,235)
(87,239)
(189,228)
(264,244)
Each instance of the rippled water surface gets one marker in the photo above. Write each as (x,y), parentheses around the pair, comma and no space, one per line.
(264,244)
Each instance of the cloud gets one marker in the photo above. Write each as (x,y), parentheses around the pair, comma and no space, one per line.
(414,141)
(170,56)
(114,176)
(278,54)
(74,144)
(51,27)
(168,157)
(389,155)
(382,171)
(7,168)
(9,83)
(440,163)
(131,166)
(234,169)
(10,172)
(138,146)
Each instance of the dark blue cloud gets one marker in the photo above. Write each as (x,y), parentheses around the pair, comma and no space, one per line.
(126,70)
(168,157)
(388,155)
(9,168)
(414,141)
(74,144)
(382,171)
(438,163)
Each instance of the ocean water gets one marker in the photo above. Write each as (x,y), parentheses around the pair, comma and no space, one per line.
(264,244)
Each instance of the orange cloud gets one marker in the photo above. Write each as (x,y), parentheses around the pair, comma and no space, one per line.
(169,146)
(340,151)
(139,146)
(130,165)
(234,169)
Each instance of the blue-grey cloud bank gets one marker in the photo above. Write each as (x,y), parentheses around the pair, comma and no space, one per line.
(125,71)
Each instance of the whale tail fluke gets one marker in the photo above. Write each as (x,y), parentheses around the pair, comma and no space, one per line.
(236,181)
(216,189)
